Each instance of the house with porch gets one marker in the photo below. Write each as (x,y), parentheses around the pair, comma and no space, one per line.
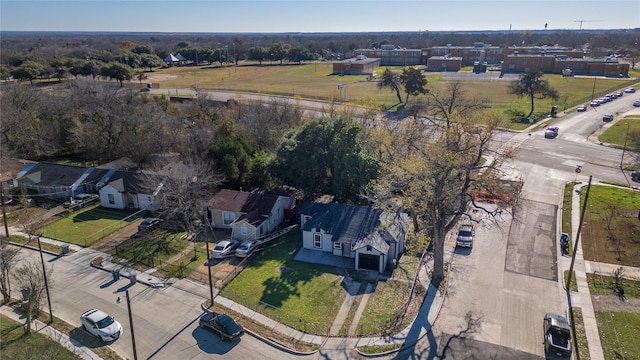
(250,214)
(374,238)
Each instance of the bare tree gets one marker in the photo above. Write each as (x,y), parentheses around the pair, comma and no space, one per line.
(8,260)
(186,188)
(30,281)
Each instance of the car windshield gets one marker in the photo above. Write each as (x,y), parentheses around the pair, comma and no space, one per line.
(218,248)
(105,322)
(560,337)
(465,233)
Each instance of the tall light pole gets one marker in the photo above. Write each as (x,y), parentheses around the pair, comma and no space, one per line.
(624,148)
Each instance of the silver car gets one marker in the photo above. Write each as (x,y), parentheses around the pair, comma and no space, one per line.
(101,325)
(246,248)
(224,248)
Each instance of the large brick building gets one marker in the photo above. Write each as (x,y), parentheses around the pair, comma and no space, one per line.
(513,59)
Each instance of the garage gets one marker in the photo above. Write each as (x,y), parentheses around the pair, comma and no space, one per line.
(369,262)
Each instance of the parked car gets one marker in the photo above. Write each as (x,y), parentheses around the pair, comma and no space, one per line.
(81,201)
(148,224)
(465,236)
(607,117)
(222,324)
(99,324)
(224,248)
(636,103)
(557,335)
(594,103)
(635,176)
(629,90)
(246,248)
(619,93)
(581,108)
(551,132)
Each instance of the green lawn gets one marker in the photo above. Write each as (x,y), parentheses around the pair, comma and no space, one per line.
(301,295)
(153,249)
(187,263)
(88,226)
(604,285)
(617,133)
(384,307)
(619,335)
(14,344)
(581,346)
(601,199)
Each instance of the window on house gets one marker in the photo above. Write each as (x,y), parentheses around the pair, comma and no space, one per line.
(317,241)
(369,248)
(337,246)
(228,217)
(112,199)
(353,245)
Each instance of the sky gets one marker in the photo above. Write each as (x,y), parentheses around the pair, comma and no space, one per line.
(270,16)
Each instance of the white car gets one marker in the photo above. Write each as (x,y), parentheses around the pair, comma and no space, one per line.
(101,325)
(224,248)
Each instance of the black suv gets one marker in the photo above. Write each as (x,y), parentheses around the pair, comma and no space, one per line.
(557,335)
(223,324)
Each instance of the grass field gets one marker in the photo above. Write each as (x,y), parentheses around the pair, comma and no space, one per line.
(315,81)
(619,334)
(301,295)
(617,133)
(88,226)
(15,345)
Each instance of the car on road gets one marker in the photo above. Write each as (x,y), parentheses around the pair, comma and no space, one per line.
(635,176)
(594,103)
(607,117)
(81,201)
(465,237)
(148,224)
(246,248)
(619,94)
(557,335)
(629,90)
(581,108)
(99,324)
(551,132)
(224,248)
(636,103)
(222,324)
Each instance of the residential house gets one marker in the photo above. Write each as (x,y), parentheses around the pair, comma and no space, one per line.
(249,214)
(374,238)
(129,190)
(58,181)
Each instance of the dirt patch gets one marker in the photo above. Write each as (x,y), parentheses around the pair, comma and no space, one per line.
(156,78)
(615,244)
(110,241)
(612,303)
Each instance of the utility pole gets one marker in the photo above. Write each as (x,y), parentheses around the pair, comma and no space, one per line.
(4,214)
(46,283)
(133,336)
(206,239)
(575,246)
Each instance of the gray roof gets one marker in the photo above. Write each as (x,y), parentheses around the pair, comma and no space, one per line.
(352,223)
(45,174)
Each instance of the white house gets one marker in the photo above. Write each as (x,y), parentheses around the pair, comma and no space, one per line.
(373,237)
(129,190)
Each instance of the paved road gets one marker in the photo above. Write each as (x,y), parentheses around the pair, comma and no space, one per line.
(165,320)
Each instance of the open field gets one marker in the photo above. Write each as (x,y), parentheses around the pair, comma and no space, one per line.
(617,133)
(611,231)
(315,81)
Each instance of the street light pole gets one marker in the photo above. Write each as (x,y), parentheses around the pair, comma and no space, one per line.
(624,148)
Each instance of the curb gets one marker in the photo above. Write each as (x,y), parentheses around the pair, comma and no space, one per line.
(149,284)
(271,342)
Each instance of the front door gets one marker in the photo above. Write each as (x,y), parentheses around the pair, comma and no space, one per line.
(346,249)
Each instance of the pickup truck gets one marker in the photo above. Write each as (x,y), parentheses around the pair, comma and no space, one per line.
(465,236)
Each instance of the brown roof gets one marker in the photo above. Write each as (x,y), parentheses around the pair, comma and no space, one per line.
(255,205)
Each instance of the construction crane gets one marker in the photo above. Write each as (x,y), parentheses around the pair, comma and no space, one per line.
(584,21)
